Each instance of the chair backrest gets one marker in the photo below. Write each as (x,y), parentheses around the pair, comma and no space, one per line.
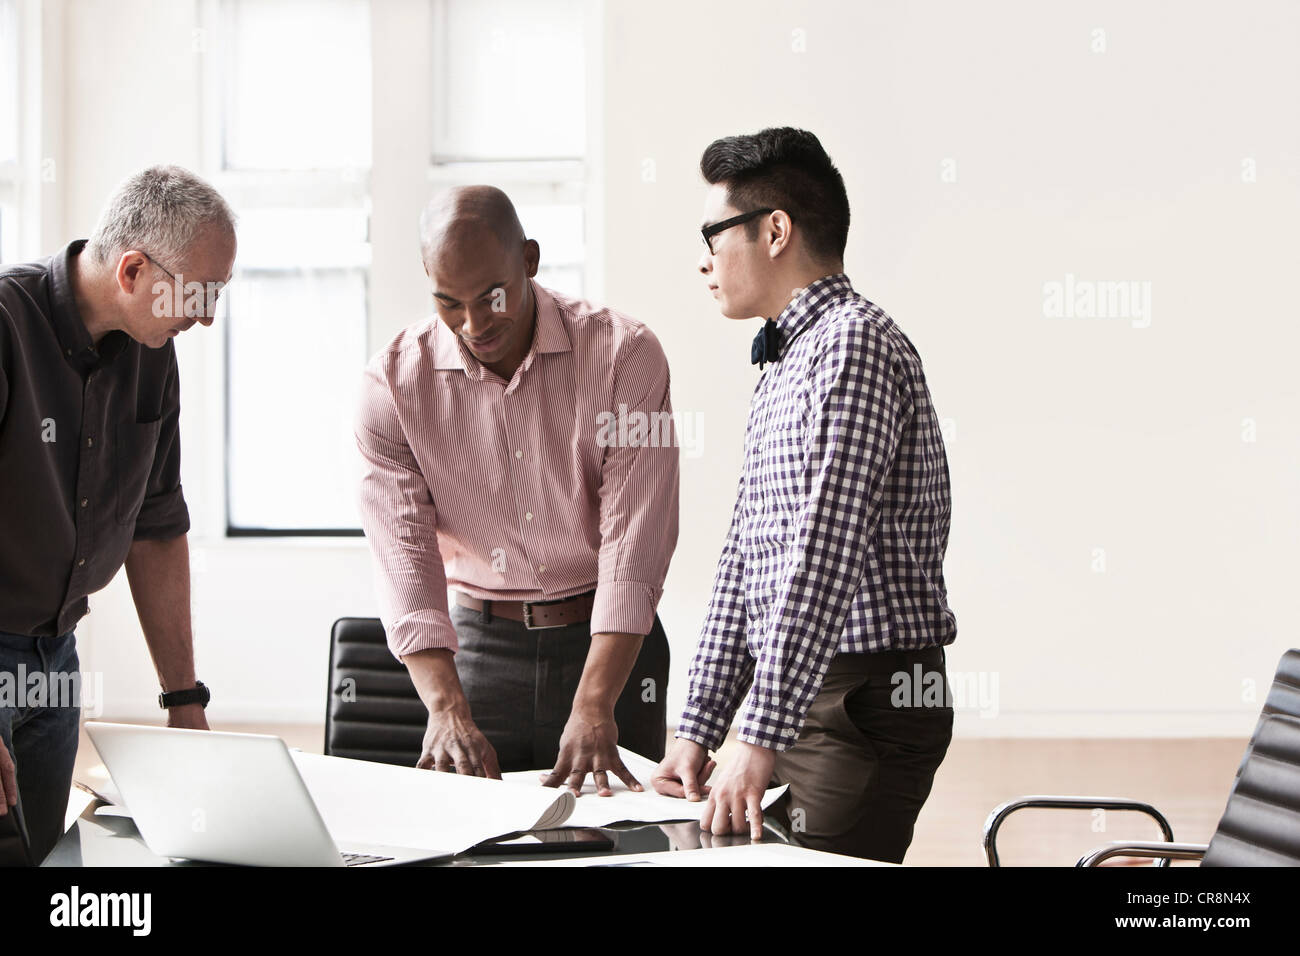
(372,711)
(1283,697)
(1260,825)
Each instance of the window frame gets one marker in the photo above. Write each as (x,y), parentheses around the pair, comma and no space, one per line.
(252,188)
(529,180)
(575,180)
(242,531)
(15,241)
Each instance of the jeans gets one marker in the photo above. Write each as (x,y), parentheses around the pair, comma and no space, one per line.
(39,727)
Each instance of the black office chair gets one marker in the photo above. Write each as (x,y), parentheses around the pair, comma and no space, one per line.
(1260,825)
(372,711)
(1283,700)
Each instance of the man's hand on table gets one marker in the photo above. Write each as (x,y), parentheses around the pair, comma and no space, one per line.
(589,744)
(739,792)
(452,742)
(684,770)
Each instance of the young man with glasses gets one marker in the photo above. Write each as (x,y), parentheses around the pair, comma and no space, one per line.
(90,468)
(829,596)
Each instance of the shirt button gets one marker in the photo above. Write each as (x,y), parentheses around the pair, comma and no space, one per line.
(529,516)
(81,563)
(90,443)
(518,453)
(67,352)
(84,502)
(541,569)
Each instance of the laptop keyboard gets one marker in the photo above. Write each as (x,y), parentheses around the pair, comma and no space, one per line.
(360,859)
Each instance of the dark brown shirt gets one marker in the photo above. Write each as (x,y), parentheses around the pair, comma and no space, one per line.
(89,449)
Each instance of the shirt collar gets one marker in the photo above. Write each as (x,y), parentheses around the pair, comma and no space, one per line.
(78,347)
(550,335)
(805,307)
(69,328)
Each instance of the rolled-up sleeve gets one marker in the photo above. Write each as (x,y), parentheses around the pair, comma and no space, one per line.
(400,522)
(164,514)
(638,493)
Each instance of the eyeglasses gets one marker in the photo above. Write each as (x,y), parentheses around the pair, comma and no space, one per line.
(708,232)
(159,265)
(211,295)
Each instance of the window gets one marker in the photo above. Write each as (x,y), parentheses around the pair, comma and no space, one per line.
(291,138)
(485,52)
(296,344)
(297,85)
(9,119)
(295,157)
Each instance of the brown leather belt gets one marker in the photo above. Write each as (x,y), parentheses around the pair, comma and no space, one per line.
(535,615)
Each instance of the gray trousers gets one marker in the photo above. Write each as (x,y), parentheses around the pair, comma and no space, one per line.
(520,686)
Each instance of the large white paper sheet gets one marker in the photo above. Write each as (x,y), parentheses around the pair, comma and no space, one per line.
(364,802)
(628,806)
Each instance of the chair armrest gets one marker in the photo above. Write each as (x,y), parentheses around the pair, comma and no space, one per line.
(1147,850)
(1055,802)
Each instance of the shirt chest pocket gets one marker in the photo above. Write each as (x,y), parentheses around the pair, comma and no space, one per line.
(779,470)
(132,462)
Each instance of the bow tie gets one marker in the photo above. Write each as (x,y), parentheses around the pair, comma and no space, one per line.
(767,344)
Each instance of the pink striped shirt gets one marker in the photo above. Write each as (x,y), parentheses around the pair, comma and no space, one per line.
(527,490)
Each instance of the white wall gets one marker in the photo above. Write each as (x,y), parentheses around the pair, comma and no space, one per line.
(1065,435)
(1069,435)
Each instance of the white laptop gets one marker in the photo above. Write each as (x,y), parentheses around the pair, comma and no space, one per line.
(226,798)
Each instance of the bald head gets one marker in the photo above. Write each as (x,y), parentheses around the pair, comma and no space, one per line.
(479,265)
(461,215)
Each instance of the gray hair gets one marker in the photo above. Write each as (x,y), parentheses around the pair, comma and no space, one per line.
(161,211)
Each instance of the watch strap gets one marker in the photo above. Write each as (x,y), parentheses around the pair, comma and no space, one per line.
(198,694)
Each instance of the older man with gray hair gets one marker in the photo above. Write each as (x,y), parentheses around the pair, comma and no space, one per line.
(90,470)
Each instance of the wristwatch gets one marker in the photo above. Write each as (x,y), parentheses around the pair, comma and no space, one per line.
(198,694)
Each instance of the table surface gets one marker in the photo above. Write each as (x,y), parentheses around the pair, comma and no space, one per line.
(114,841)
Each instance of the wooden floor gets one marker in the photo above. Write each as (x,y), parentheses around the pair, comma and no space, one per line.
(1187,780)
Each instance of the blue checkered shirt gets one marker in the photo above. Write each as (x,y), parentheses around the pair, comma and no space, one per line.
(840,524)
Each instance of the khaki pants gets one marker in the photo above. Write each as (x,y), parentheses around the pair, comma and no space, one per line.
(862,767)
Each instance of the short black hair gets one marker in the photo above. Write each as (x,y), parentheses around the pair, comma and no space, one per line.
(784,168)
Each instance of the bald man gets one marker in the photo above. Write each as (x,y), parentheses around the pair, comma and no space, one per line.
(494,463)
